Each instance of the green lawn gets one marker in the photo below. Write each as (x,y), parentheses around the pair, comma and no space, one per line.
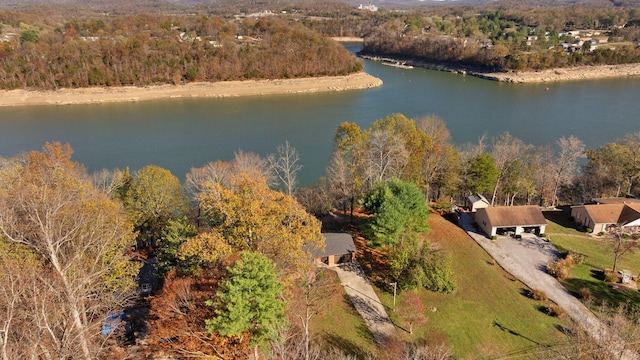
(339,324)
(487,316)
(598,256)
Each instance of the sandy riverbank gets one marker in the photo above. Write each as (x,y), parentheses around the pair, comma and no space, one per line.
(98,95)
(542,76)
(567,74)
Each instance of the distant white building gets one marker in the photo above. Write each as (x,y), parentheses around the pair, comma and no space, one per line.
(369,7)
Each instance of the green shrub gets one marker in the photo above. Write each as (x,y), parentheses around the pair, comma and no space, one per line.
(518,236)
(494,237)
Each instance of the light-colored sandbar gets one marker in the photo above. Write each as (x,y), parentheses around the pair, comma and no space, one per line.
(585,72)
(98,95)
(567,74)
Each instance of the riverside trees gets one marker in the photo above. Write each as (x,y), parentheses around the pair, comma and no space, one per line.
(155,49)
(507,38)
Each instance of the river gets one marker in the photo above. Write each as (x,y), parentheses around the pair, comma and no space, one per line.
(178,134)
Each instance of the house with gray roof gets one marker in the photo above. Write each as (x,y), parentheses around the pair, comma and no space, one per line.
(339,249)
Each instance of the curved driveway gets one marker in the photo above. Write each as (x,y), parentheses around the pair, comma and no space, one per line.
(526,259)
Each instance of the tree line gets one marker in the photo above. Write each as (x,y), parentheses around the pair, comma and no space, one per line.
(157,49)
(500,39)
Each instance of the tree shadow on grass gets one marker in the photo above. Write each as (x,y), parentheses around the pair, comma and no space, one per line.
(561,217)
(612,294)
(597,274)
(347,346)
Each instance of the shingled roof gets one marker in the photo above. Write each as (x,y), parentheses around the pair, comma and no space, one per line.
(616,213)
(528,215)
(335,244)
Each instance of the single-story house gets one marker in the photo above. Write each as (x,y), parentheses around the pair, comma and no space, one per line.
(515,219)
(339,249)
(477,201)
(600,217)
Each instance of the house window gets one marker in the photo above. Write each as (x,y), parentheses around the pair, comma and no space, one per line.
(145,288)
(578,216)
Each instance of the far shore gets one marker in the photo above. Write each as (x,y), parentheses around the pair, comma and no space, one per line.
(98,95)
(584,72)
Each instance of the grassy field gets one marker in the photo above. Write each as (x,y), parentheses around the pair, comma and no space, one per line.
(488,316)
(598,256)
(338,324)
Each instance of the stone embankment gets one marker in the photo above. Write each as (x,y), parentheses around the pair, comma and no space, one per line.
(541,76)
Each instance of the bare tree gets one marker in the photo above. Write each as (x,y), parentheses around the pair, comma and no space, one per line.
(569,151)
(622,243)
(341,177)
(107,180)
(506,150)
(440,163)
(253,165)
(387,156)
(286,165)
(48,206)
(215,172)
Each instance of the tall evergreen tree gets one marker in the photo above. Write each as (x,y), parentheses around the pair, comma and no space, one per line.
(249,301)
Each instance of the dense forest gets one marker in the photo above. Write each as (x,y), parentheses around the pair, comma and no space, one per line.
(154,49)
(64,46)
(501,38)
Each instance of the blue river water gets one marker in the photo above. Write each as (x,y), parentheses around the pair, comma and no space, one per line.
(178,134)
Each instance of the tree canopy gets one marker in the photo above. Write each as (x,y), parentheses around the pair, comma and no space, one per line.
(399,207)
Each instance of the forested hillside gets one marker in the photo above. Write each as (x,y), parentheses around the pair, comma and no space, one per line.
(498,38)
(155,49)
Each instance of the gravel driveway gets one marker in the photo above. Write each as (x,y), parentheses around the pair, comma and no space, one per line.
(526,259)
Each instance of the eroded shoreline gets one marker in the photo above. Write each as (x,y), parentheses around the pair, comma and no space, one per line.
(99,95)
(584,72)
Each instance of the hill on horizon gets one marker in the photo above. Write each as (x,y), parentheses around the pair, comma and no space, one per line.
(272,3)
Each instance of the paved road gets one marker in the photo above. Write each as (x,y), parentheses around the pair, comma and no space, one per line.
(526,259)
(366,302)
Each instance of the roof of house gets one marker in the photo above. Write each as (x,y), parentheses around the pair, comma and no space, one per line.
(616,213)
(604,213)
(527,215)
(477,198)
(616,200)
(335,244)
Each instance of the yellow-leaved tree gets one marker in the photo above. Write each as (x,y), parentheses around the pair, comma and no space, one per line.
(78,239)
(251,216)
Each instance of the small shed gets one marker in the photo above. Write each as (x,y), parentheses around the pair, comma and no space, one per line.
(339,249)
(477,201)
(514,219)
